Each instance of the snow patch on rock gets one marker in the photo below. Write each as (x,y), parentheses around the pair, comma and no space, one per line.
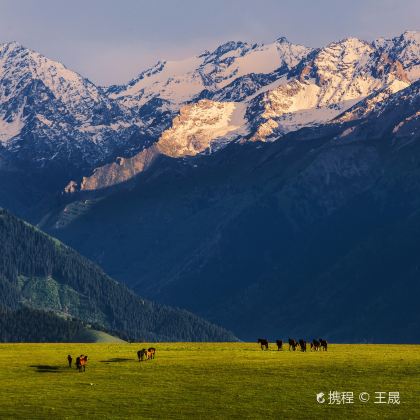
(200,125)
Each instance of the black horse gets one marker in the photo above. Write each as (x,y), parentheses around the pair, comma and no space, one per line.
(263,342)
(315,345)
(70,360)
(302,344)
(279,344)
(292,344)
(323,344)
(141,354)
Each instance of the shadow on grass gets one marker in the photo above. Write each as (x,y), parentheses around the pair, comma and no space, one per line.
(47,368)
(116,360)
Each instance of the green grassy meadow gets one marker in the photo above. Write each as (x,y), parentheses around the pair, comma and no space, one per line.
(205,380)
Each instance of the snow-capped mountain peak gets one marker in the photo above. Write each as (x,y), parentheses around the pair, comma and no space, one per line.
(184,107)
(405,49)
(49,112)
(181,81)
(20,66)
(324,84)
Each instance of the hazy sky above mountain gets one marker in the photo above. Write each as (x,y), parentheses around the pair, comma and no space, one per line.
(112,41)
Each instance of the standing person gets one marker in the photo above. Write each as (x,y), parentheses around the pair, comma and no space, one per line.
(70,360)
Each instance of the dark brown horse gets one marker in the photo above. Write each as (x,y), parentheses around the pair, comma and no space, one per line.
(263,342)
(70,360)
(302,344)
(315,345)
(279,344)
(292,344)
(141,354)
(323,344)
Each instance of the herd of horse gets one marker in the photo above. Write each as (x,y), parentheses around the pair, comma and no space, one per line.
(81,361)
(148,354)
(315,344)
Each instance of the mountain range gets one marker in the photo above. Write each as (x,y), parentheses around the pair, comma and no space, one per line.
(52,117)
(264,187)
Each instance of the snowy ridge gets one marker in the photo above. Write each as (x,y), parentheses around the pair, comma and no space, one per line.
(199,125)
(19,66)
(405,49)
(180,81)
(372,102)
(326,84)
(383,115)
(49,112)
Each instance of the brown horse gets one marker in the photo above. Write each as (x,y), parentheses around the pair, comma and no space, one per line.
(279,344)
(263,342)
(151,351)
(81,363)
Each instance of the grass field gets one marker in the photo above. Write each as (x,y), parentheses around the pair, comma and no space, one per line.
(227,380)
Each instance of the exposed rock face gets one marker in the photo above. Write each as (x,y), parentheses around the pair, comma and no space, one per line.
(192,132)
(71,187)
(120,171)
(198,125)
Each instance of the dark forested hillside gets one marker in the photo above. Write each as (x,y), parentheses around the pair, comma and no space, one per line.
(32,325)
(39,272)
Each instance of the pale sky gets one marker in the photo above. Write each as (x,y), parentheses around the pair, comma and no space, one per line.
(112,41)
